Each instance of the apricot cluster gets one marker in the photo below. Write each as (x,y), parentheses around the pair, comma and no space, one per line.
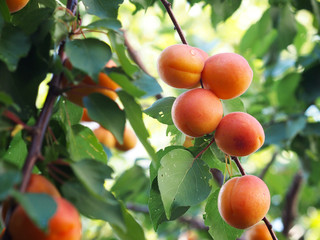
(199,111)
(65,224)
(16,5)
(106,86)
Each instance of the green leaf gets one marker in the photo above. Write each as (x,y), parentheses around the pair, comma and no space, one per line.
(134,115)
(14,44)
(39,207)
(17,151)
(106,112)
(141,3)
(106,24)
(233,105)
(286,89)
(156,209)
(5,99)
(103,9)
(9,177)
(133,230)
(105,208)
(147,83)
(67,112)
(183,181)
(82,144)
(218,228)
(125,191)
(222,10)
(92,174)
(117,42)
(161,110)
(4,14)
(309,87)
(90,55)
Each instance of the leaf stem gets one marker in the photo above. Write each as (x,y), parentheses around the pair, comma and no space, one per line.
(167,5)
(266,221)
(203,150)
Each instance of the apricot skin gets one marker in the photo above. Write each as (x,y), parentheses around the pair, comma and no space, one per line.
(105,137)
(64,225)
(258,232)
(197,112)
(239,134)
(180,65)
(129,140)
(228,75)
(243,201)
(16,5)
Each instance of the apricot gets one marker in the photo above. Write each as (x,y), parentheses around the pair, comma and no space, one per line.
(188,142)
(85,116)
(258,232)
(197,112)
(64,225)
(243,201)
(239,134)
(37,184)
(76,93)
(129,140)
(227,75)
(16,5)
(180,65)
(105,137)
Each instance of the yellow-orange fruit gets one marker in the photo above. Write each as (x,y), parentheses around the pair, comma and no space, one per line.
(16,5)
(129,140)
(258,232)
(64,225)
(85,116)
(105,137)
(180,65)
(37,184)
(227,75)
(188,142)
(239,134)
(197,112)
(243,201)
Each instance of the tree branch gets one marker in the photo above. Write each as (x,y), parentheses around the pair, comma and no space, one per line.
(291,203)
(266,221)
(167,5)
(266,168)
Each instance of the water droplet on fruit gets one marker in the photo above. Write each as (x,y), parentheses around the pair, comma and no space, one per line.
(193,52)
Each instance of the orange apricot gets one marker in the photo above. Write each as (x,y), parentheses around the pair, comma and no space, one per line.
(188,142)
(85,116)
(243,201)
(227,75)
(16,5)
(64,225)
(180,65)
(258,232)
(197,112)
(105,137)
(129,140)
(239,134)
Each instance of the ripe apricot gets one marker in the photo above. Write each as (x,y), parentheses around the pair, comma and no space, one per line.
(180,65)
(188,142)
(197,112)
(37,184)
(258,232)
(64,225)
(228,75)
(239,134)
(105,137)
(76,93)
(16,5)
(243,201)
(129,140)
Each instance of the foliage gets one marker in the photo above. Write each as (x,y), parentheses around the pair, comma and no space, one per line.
(282,46)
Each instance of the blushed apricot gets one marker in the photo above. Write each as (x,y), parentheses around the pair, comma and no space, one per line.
(16,5)
(258,232)
(105,137)
(239,134)
(197,112)
(180,65)
(227,75)
(243,201)
(129,140)
(64,225)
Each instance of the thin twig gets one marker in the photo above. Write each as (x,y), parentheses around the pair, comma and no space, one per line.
(203,150)
(167,5)
(14,118)
(266,168)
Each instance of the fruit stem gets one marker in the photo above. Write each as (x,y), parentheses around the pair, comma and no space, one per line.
(167,5)
(266,221)
(203,150)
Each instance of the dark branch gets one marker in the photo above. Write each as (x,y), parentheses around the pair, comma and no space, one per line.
(291,203)
(167,5)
